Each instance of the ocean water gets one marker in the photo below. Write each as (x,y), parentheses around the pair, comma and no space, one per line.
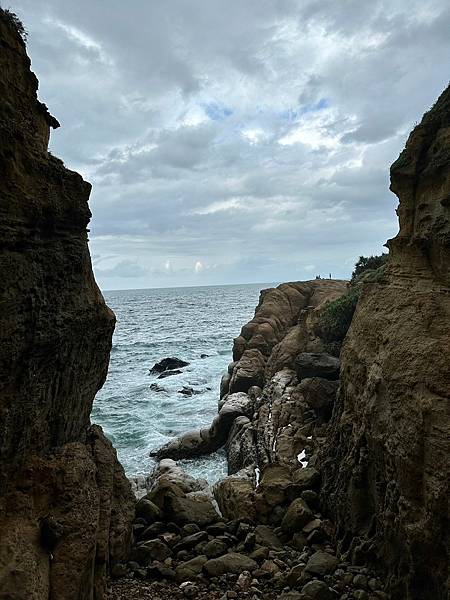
(154,324)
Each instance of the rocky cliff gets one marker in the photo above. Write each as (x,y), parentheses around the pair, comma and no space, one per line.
(386,462)
(65,505)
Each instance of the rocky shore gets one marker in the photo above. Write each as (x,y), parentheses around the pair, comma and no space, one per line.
(338,459)
(337,442)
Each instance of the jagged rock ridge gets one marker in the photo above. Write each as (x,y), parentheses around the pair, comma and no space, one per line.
(65,504)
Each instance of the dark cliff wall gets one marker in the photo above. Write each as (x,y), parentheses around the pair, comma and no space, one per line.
(65,505)
(386,464)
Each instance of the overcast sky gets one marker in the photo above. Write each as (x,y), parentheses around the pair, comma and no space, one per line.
(233,141)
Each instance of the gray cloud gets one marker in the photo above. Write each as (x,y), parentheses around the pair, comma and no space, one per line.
(236,141)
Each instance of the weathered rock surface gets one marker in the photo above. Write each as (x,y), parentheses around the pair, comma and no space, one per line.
(386,464)
(317,364)
(180,497)
(282,328)
(196,443)
(65,504)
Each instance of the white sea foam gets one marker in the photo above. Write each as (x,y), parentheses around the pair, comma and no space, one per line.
(154,324)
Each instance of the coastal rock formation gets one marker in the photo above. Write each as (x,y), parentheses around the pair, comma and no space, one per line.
(65,504)
(267,348)
(386,462)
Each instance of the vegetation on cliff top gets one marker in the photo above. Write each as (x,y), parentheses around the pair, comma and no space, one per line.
(337,315)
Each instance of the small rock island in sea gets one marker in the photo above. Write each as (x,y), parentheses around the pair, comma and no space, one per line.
(337,438)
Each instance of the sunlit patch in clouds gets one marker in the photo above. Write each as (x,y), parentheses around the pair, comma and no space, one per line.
(235,141)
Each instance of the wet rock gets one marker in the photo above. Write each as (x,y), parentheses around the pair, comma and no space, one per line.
(224,385)
(169,373)
(205,441)
(168,364)
(229,563)
(189,391)
(157,388)
(317,364)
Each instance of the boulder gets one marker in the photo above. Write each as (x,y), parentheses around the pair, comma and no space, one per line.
(273,489)
(297,516)
(196,443)
(235,496)
(157,549)
(215,548)
(192,508)
(190,541)
(190,569)
(317,590)
(146,509)
(229,563)
(307,478)
(265,536)
(318,392)
(317,364)
(168,364)
(248,372)
(321,563)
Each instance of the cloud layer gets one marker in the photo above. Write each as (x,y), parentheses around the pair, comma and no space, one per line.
(235,141)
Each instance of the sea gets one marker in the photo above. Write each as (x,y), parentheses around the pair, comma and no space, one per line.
(195,324)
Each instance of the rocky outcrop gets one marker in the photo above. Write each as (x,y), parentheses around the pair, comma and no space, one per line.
(265,354)
(386,463)
(65,504)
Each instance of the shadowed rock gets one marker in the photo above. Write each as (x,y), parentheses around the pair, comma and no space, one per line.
(315,364)
(386,464)
(65,505)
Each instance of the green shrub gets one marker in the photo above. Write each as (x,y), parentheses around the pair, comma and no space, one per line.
(368,263)
(337,315)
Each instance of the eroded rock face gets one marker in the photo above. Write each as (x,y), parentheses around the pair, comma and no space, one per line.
(262,380)
(386,465)
(65,504)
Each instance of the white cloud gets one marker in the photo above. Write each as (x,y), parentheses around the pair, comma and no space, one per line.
(256,135)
